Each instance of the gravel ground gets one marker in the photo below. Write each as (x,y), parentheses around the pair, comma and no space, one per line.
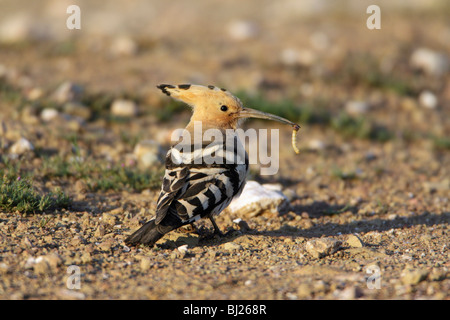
(368,207)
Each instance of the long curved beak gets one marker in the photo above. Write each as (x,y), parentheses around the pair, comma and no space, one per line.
(252,113)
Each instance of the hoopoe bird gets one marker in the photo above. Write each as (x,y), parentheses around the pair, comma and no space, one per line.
(193,189)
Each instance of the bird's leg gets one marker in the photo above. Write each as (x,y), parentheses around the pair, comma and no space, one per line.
(216,228)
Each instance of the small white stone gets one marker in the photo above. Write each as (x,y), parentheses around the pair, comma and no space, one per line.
(71,294)
(292,57)
(430,61)
(15,28)
(67,91)
(316,144)
(242,30)
(124,46)
(232,246)
(147,153)
(21,146)
(257,198)
(289,57)
(356,107)
(30,262)
(49,114)
(428,99)
(124,108)
(35,93)
(322,247)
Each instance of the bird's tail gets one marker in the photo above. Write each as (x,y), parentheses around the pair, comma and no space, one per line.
(148,234)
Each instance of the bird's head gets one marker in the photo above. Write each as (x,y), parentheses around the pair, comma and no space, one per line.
(215,107)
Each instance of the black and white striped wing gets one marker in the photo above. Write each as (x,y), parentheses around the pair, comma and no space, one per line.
(174,184)
(208,194)
(191,191)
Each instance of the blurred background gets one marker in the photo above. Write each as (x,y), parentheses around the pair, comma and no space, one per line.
(314,62)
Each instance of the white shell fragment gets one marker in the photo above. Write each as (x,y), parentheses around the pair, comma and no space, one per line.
(257,198)
(183,248)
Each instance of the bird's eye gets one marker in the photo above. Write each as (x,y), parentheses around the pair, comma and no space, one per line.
(224,108)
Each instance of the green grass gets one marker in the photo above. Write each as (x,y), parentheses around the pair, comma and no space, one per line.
(287,108)
(360,127)
(124,178)
(103,176)
(441,143)
(10,94)
(336,210)
(364,69)
(169,110)
(343,175)
(315,113)
(19,195)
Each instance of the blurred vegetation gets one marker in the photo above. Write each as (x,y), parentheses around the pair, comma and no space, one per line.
(315,113)
(17,194)
(363,69)
(312,112)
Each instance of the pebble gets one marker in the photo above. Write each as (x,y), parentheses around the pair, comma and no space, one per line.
(4,268)
(124,108)
(432,186)
(71,294)
(86,258)
(145,264)
(34,94)
(100,231)
(46,264)
(257,198)
(428,99)
(109,218)
(354,241)
(29,115)
(106,245)
(429,61)
(148,153)
(414,276)
(323,247)
(123,46)
(16,28)
(293,57)
(21,146)
(357,107)
(241,30)
(316,145)
(68,91)
(80,186)
(289,57)
(232,246)
(349,293)
(304,291)
(49,114)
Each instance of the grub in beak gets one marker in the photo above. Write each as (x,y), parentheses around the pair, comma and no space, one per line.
(252,113)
